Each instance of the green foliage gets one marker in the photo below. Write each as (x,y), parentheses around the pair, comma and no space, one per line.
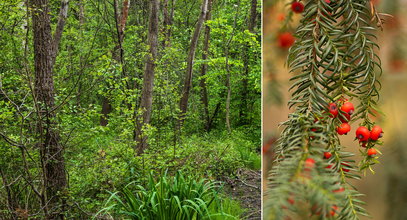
(106,160)
(333,58)
(102,158)
(167,198)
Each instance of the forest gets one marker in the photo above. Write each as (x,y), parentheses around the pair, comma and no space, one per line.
(130,109)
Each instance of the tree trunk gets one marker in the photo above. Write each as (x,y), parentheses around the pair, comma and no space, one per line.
(117,53)
(147,91)
(63,13)
(168,18)
(228,72)
(228,88)
(12,204)
(81,12)
(183,105)
(253,16)
(51,151)
(252,23)
(204,68)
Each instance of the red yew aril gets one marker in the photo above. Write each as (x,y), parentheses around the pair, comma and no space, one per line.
(376,133)
(344,169)
(362,133)
(348,107)
(327,155)
(286,40)
(345,117)
(333,211)
(281,17)
(333,109)
(341,189)
(344,128)
(309,164)
(297,7)
(371,152)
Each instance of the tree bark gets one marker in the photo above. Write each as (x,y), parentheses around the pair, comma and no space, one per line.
(168,19)
(81,13)
(12,204)
(183,105)
(63,14)
(51,151)
(229,89)
(253,16)
(245,79)
(146,103)
(204,67)
(228,72)
(117,53)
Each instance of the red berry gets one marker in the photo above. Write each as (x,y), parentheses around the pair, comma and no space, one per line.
(371,152)
(291,201)
(329,166)
(362,133)
(281,17)
(341,189)
(344,128)
(286,40)
(297,7)
(315,210)
(333,109)
(376,133)
(344,169)
(333,211)
(309,164)
(348,107)
(327,155)
(345,117)
(328,1)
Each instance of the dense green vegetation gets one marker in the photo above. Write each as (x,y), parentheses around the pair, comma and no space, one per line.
(85,124)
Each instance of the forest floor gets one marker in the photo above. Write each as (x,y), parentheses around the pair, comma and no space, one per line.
(245,188)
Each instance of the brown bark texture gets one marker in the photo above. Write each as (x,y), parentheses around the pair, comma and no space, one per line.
(51,150)
(244,106)
(204,68)
(146,102)
(117,53)
(183,105)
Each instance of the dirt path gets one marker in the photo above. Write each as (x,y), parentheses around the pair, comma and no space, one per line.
(245,188)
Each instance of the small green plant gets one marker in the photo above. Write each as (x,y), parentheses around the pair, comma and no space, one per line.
(172,198)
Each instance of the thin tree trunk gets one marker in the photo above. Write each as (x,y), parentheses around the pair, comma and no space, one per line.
(148,83)
(81,13)
(253,16)
(63,14)
(228,76)
(229,90)
(245,79)
(204,67)
(117,53)
(51,151)
(12,204)
(168,19)
(166,22)
(191,55)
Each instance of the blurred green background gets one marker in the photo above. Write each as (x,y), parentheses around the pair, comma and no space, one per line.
(386,190)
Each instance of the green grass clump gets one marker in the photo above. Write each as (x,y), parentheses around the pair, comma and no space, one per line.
(171,198)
